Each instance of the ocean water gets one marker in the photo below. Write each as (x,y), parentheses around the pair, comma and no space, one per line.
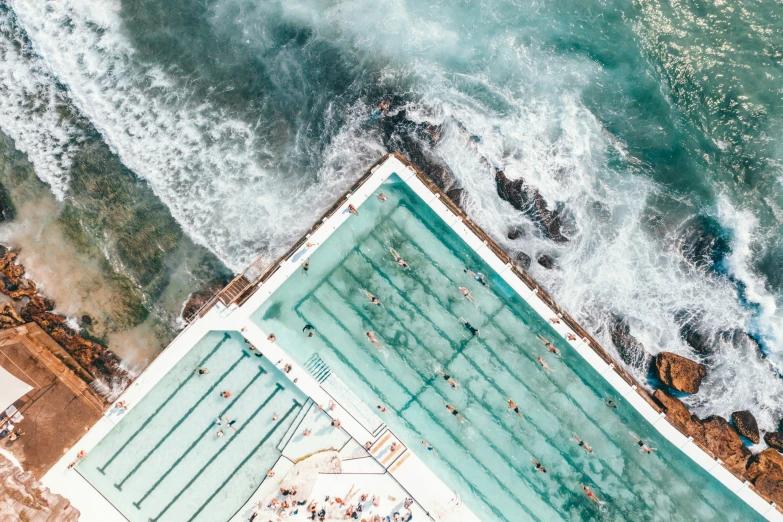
(653,126)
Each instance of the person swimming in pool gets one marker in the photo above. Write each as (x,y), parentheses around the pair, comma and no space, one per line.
(372,298)
(610,403)
(306,266)
(644,447)
(427,445)
(203,370)
(309,330)
(382,196)
(454,412)
(543,364)
(590,494)
(512,405)
(474,331)
(448,379)
(538,465)
(581,443)
(398,258)
(466,294)
(478,276)
(373,339)
(549,346)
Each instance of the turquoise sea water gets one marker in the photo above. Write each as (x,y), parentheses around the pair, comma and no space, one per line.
(486,459)
(652,125)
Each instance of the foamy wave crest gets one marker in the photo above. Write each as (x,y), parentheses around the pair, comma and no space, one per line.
(33,108)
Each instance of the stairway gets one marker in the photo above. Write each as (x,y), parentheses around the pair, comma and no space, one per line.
(318,368)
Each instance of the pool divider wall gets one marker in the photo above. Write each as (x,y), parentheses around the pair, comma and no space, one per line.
(541,302)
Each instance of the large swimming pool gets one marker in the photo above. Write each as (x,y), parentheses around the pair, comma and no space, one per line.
(487,459)
(165,462)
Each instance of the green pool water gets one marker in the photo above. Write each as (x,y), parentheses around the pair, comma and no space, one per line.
(486,459)
(165,461)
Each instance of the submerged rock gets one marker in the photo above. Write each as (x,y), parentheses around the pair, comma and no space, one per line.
(515,233)
(724,442)
(522,259)
(679,415)
(765,471)
(679,373)
(546,261)
(745,424)
(631,351)
(774,439)
(529,201)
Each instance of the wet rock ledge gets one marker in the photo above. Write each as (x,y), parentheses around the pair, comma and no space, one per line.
(28,305)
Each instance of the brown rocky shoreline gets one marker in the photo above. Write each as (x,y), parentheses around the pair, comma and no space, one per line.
(98,364)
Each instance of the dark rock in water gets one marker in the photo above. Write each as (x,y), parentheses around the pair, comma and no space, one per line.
(86,320)
(774,439)
(37,305)
(456,195)
(725,443)
(198,299)
(678,372)
(546,261)
(529,201)
(514,233)
(704,243)
(745,424)
(692,331)
(631,351)
(522,259)
(765,471)
(679,415)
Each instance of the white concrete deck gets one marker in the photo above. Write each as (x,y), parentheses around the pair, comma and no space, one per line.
(403,468)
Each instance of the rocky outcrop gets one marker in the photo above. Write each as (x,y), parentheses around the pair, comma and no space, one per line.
(631,351)
(677,413)
(774,439)
(529,201)
(745,424)
(679,373)
(37,304)
(765,471)
(515,233)
(522,259)
(546,261)
(24,498)
(725,443)
(8,316)
(198,299)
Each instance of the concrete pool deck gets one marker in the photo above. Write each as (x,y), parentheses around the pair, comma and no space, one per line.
(402,468)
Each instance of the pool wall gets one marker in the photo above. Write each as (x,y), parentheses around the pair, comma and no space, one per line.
(231,307)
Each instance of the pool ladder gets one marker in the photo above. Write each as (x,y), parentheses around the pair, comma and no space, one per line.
(318,368)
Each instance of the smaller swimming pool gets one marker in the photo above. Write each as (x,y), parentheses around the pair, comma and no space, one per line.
(165,461)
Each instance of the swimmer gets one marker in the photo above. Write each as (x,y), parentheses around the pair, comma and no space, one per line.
(373,339)
(644,447)
(478,276)
(383,106)
(512,405)
(309,330)
(306,432)
(306,266)
(448,379)
(427,445)
(454,412)
(610,403)
(230,423)
(474,331)
(538,465)
(219,433)
(549,346)
(466,293)
(582,443)
(543,363)
(275,417)
(225,394)
(382,408)
(382,196)
(202,371)
(352,209)
(590,494)
(398,258)
(372,298)
(271,338)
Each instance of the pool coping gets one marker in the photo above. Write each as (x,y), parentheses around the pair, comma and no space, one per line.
(231,311)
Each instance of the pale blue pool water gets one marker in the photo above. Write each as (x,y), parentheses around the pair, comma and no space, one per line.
(165,462)
(487,460)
